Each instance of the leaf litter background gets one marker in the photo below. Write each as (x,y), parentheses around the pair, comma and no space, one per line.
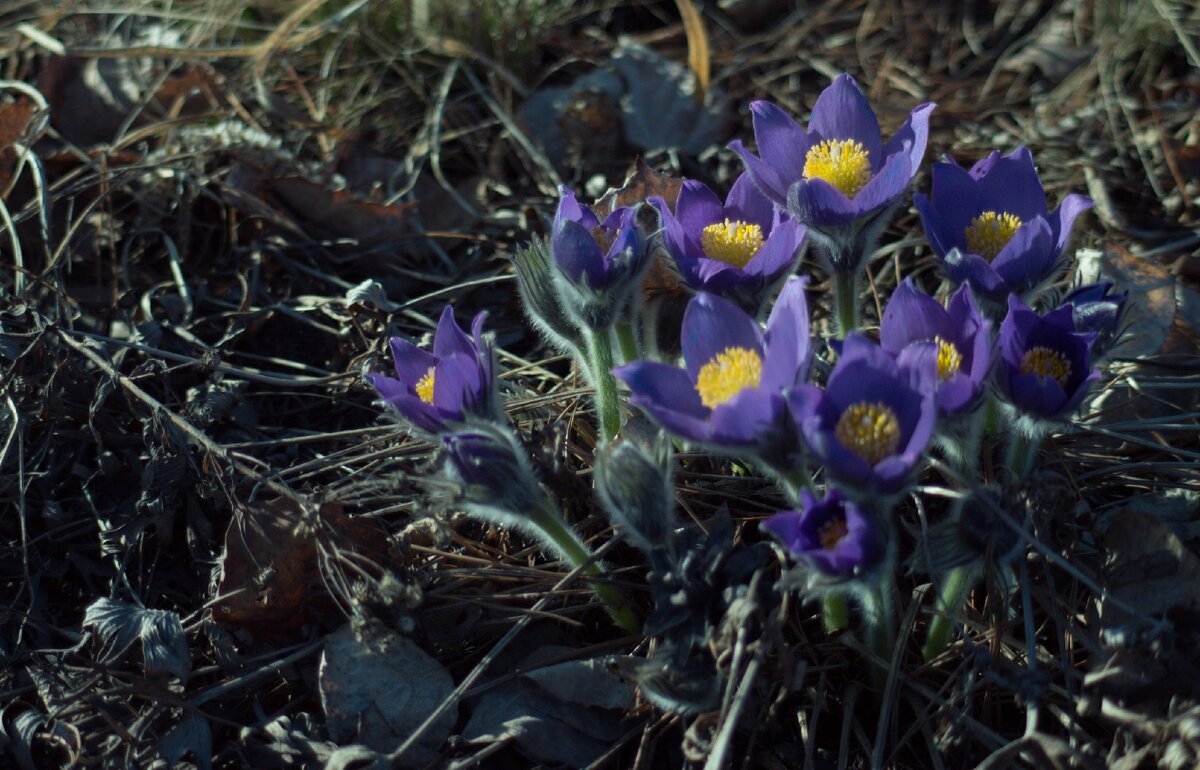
(215,215)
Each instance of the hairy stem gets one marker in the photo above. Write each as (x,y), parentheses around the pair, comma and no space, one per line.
(627,342)
(879,627)
(567,542)
(600,361)
(845,299)
(951,597)
(1021,452)
(835,611)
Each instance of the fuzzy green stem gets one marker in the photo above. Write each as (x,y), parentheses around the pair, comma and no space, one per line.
(1020,454)
(845,299)
(951,598)
(567,542)
(600,360)
(879,628)
(627,343)
(792,480)
(835,611)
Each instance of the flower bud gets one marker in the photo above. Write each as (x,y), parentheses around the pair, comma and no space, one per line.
(634,487)
(497,481)
(540,298)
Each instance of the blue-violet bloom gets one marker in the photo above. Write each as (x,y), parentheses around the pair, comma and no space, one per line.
(957,338)
(737,249)
(991,227)
(1046,364)
(600,264)
(838,177)
(872,423)
(833,536)
(441,390)
(1098,309)
(729,395)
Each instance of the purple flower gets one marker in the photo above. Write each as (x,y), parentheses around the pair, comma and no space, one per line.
(871,424)
(839,170)
(737,249)
(1096,308)
(833,536)
(600,263)
(957,338)
(991,226)
(497,481)
(1046,366)
(437,390)
(729,395)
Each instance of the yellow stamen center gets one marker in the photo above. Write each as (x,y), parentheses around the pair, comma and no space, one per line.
(1044,362)
(424,386)
(832,532)
(990,232)
(948,359)
(870,430)
(734,243)
(841,162)
(727,374)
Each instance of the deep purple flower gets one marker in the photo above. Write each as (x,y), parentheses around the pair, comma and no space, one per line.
(833,536)
(497,480)
(729,395)
(1098,309)
(1046,365)
(434,391)
(600,263)
(839,170)
(871,424)
(957,338)
(991,226)
(736,249)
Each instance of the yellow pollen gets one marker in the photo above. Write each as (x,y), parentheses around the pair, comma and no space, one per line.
(841,162)
(734,243)
(1044,362)
(948,359)
(727,374)
(869,430)
(990,232)
(424,386)
(832,532)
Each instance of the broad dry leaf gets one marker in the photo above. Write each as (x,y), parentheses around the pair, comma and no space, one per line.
(1149,567)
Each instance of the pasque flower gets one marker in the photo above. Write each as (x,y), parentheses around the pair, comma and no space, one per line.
(839,172)
(1045,363)
(991,227)
(1096,308)
(957,338)
(871,424)
(833,536)
(440,390)
(729,395)
(736,249)
(599,263)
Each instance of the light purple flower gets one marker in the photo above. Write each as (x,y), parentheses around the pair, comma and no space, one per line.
(833,536)
(872,423)
(1045,364)
(737,249)
(438,390)
(729,395)
(991,226)
(957,338)
(839,170)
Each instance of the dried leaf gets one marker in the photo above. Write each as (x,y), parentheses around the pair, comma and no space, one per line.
(377,687)
(14,123)
(327,213)
(1149,567)
(1151,297)
(269,578)
(697,37)
(642,184)
(118,625)
(192,734)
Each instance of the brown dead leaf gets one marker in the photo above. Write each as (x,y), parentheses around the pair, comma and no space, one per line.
(14,122)
(1149,567)
(642,184)
(269,571)
(1152,303)
(328,213)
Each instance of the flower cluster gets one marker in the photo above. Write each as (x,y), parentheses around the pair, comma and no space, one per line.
(846,424)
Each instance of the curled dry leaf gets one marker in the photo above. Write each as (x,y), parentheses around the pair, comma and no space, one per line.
(1149,567)
(270,583)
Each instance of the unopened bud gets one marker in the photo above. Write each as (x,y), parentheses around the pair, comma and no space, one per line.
(634,487)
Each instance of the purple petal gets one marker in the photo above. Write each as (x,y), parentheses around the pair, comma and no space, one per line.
(450,338)
(1011,184)
(457,385)
(912,136)
(766,178)
(818,204)
(672,231)
(886,185)
(696,208)
(955,196)
(666,393)
(1041,396)
(961,267)
(711,325)
(713,275)
(940,237)
(1028,258)
(411,363)
(842,112)
(569,210)
(781,142)
(778,251)
(912,315)
(788,347)
(1063,219)
(397,395)
(746,418)
(578,255)
(746,203)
